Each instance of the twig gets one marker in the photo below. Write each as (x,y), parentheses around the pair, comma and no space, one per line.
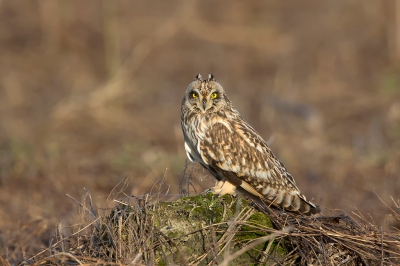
(254,243)
(55,244)
(61,254)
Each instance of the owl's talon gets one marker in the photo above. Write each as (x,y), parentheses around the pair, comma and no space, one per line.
(223,187)
(233,194)
(209,190)
(218,194)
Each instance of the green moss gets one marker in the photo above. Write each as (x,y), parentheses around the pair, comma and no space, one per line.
(162,262)
(261,219)
(173,234)
(186,223)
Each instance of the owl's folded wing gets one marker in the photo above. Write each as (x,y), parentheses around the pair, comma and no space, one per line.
(237,153)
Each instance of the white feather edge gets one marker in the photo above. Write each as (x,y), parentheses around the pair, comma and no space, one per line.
(188,151)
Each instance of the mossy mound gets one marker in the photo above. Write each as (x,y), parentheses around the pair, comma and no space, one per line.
(202,229)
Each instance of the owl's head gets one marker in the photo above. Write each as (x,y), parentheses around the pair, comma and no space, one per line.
(205,96)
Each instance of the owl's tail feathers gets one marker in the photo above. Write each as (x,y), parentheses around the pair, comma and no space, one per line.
(300,204)
(308,209)
(292,201)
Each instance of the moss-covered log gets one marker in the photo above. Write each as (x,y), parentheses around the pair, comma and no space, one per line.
(197,230)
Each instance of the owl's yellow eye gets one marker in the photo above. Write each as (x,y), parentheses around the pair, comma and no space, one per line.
(214,95)
(194,95)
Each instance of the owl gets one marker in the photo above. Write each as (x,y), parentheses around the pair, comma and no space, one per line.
(219,139)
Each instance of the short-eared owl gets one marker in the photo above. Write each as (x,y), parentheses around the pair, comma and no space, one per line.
(235,154)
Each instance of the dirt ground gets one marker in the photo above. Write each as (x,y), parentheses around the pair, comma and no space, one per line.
(90,94)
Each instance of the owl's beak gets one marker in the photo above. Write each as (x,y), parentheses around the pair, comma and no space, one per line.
(204,104)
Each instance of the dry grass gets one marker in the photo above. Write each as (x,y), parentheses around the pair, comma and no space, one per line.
(341,240)
(128,234)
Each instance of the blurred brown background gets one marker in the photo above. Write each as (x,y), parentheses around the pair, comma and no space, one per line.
(90,93)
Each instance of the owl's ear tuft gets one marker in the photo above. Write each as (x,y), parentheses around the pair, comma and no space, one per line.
(199,78)
(211,77)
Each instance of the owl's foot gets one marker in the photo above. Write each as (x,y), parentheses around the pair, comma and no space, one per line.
(222,188)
